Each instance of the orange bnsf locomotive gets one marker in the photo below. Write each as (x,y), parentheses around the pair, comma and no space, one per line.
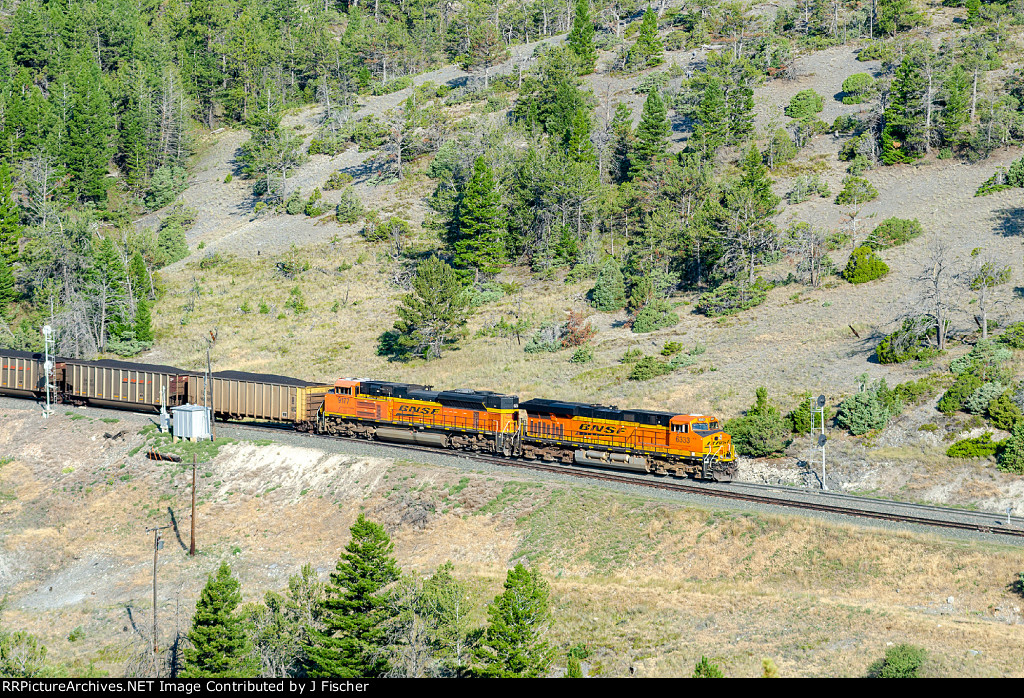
(589,435)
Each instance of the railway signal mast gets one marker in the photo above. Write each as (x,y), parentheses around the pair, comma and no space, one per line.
(47,366)
(822,438)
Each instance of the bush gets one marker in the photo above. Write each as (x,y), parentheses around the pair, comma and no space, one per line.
(805,418)
(893,232)
(171,244)
(906,343)
(1011,458)
(227,178)
(631,356)
(806,186)
(804,105)
(648,367)
(979,400)
(337,180)
(857,88)
(730,298)
(295,205)
(296,301)
(655,315)
(916,392)
(350,208)
(577,330)
(1003,412)
(326,146)
(1003,179)
(705,669)
(1013,336)
(545,339)
(762,431)
(856,190)
(964,387)
(859,164)
(864,265)
(978,447)
(315,205)
(900,662)
(671,348)
(869,409)
(583,355)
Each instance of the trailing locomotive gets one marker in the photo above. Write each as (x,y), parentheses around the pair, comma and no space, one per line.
(469,420)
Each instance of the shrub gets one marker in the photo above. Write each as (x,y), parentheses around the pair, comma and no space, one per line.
(349,209)
(295,205)
(1011,458)
(264,308)
(671,348)
(296,301)
(804,105)
(167,182)
(227,178)
(964,387)
(869,409)
(171,244)
(806,186)
(762,431)
(546,338)
(864,265)
(583,355)
(978,447)
(856,190)
(327,146)
(979,400)
(916,392)
(1003,179)
(337,180)
(577,330)
(857,88)
(805,418)
(859,164)
(729,299)
(1003,412)
(631,356)
(648,367)
(906,343)
(315,204)
(900,662)
(705,669)
(781,149)
(1013,336)
(655,315)
(893,232)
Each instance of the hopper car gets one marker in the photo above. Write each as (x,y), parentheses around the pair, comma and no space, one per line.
(585,435)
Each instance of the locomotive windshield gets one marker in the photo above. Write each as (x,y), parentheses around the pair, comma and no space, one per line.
(705,427)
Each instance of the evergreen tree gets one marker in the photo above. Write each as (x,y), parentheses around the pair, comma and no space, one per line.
(446,605)
(1011,460)
(576,141)
(431,316)
(706,669)
(902,137)
(622,142)
(609,292)
(356,608)
(8,294)
(218,647)
(956,112)
(143,323)
(581,38)
(648,49)
(10,228)
(513,643)
(90,127)
(480,245)
(651,134)
(712,129)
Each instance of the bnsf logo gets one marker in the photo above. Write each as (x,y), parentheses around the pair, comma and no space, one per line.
(601,429)
(416,409)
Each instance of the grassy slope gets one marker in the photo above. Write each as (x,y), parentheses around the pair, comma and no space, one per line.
(646,584)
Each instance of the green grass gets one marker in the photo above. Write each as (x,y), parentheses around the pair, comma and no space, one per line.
(455,489)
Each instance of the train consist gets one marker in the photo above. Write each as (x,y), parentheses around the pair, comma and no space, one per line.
(470,420)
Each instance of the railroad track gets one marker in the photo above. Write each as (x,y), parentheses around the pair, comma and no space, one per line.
(773,495)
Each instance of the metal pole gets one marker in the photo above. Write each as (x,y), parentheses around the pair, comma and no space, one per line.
(209,372)
(47,367)
(192,543)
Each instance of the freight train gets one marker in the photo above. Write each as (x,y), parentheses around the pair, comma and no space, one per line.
(481,421)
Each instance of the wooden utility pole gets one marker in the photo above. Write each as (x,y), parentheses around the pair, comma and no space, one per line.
(157,544)
(192,543)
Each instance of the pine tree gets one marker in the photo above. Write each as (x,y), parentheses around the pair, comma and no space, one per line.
(513,643)
(651,134)
(622,139)
(143,322)
(480,246)
(431,316)
(712,130)
(8,294)
(10,228)
(356,608)
(581,38)
(219,647)
(446,605)
(648,49)
(902,139)
(609,292)
(956,113)
(576,141)
(90,128)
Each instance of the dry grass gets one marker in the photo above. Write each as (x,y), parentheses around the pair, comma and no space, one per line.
(648,584)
